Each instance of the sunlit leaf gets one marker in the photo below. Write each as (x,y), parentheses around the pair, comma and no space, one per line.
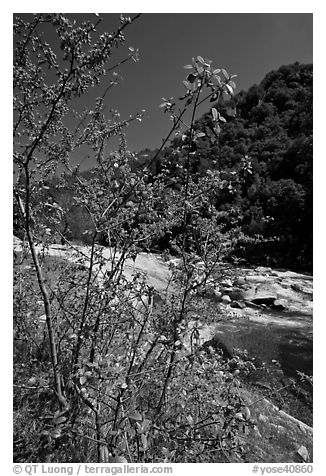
(214,97)
(201,60)
(246,413)
(214,113)
(226,74)
(216,71)
(188,66)
(60,420)
(229,89)
(217,129)
(55,434)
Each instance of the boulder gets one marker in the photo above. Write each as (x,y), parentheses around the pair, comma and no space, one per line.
(238,304)
(251,304)
(227,283)
(261,294)
(226,299)
(267,300)
(280,304)
(217,294)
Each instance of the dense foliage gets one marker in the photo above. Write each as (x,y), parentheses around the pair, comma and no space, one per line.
(106,367)
(267,139)
(100,358)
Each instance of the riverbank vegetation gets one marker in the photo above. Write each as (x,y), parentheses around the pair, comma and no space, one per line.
(102,368)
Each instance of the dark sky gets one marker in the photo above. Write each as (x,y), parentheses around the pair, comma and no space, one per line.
(247,44)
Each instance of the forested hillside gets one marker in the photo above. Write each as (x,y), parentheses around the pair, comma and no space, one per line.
(263,154)
(268,141)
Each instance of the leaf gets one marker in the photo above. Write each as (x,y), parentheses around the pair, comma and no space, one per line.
(232,84)
(82,380)
(217,129)
(226,74)
(218,79)
(135,416)
(214,97)
(216,71)
(229,89)
(303,452)
(188,66)
(186,83)
(214,113)
(60,420)
(222,119)
(232,112)
(191,77)
(209,132)
(201,60)
(200,134)
(55,434)
(246,413)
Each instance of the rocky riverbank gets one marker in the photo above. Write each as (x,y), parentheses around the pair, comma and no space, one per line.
(266,312)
